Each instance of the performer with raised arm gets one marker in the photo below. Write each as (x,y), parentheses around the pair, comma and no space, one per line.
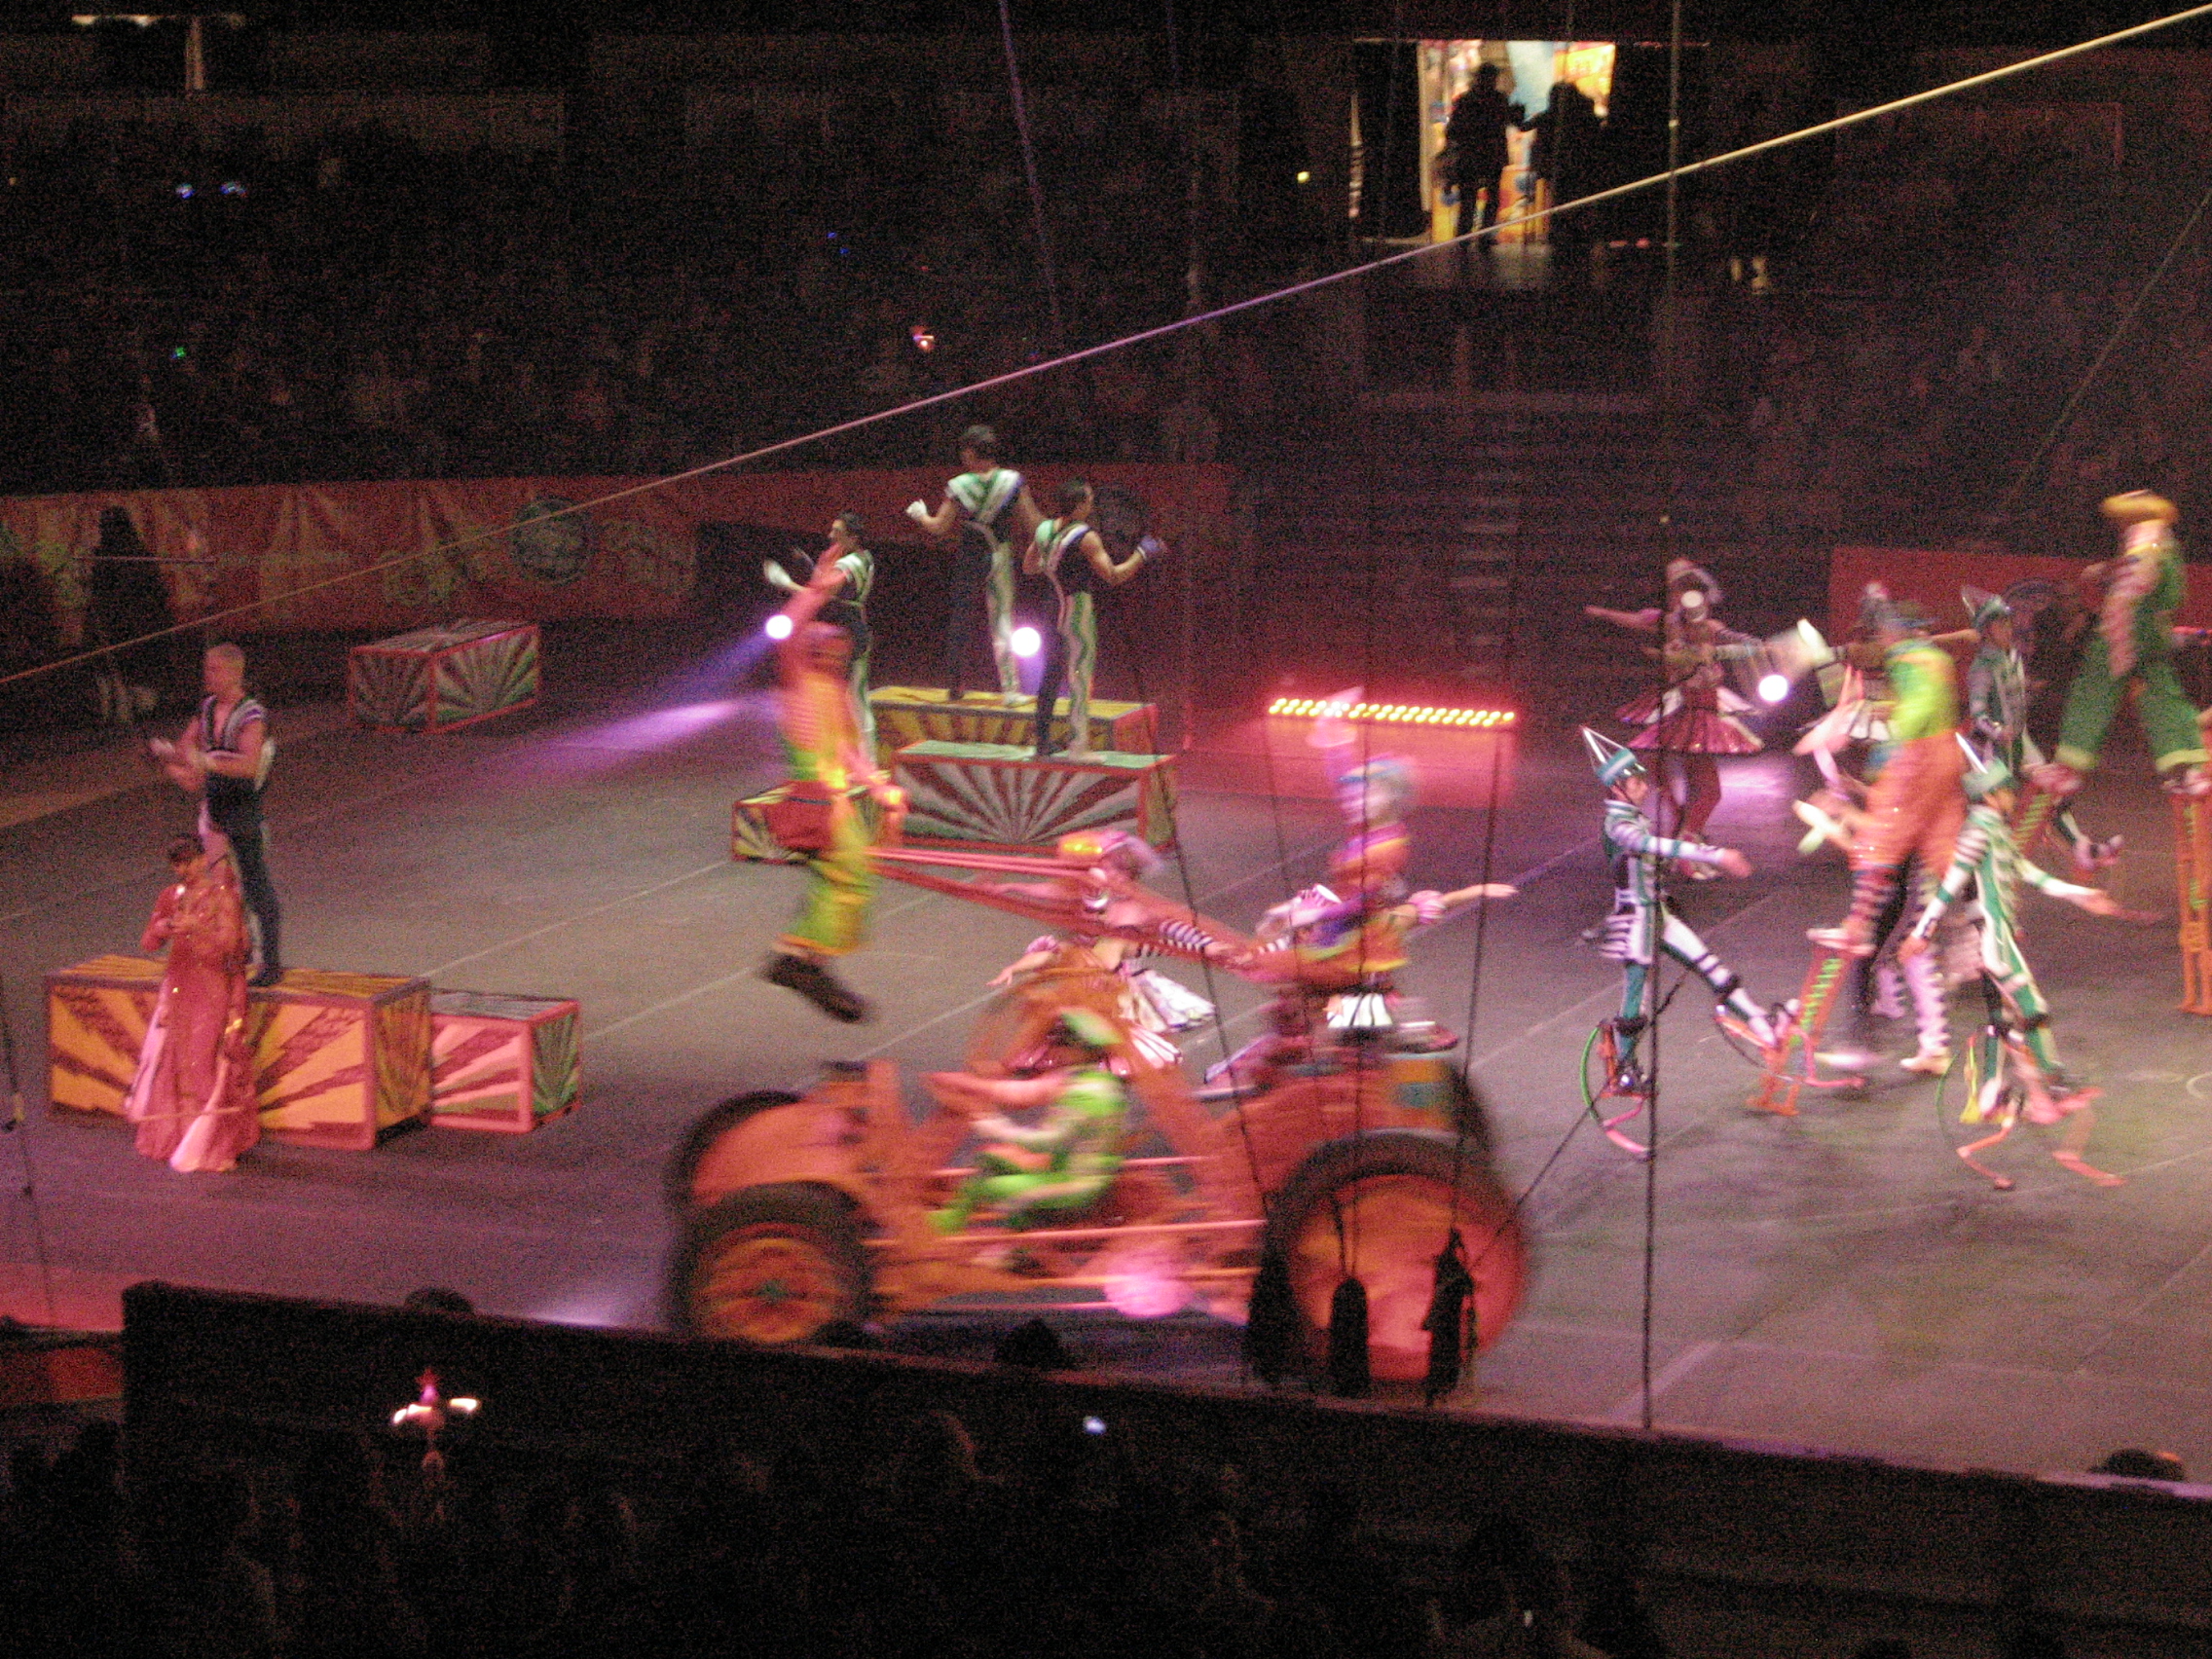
(989,508)
(847,609)
(1697,715)
(2132,649)
(821,739)
(1643,925)
(1069,552)
(224,758)
(1997,714)
(1988,862)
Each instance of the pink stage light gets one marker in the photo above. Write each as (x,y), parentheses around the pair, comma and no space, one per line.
(1027,641)
(779,627)
(1772,687)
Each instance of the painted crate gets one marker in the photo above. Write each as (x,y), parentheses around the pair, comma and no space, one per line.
(503,1063)
(340,1059)
(992,797)
(908,714)
(443,678)
(749,837)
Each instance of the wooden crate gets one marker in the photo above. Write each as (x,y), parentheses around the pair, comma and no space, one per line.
(340,1059)
(503,1063)
(749,837)
(989,796)
(443,678)
(920,714)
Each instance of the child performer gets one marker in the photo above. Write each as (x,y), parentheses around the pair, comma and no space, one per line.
(1068,550)
(983,502)
(1989,860)
(1997,714)
(847,609)
(1643,924)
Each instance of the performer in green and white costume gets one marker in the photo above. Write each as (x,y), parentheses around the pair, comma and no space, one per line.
(1069,552)
(1988,859)
(1997,714)
(848,609)
(1643,925)
(989,508)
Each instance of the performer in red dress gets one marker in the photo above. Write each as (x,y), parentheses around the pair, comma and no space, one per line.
(193,1098)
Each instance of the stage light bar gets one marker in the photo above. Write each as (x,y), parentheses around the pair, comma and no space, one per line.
(1395,713)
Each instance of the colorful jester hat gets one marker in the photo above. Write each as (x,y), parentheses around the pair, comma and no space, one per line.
(1983,608)
(1986,772)
(1611,761)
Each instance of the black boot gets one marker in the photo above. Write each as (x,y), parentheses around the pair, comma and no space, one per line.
(817,984)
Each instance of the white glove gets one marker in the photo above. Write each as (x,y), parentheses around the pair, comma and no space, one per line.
(777,576)
(918,511)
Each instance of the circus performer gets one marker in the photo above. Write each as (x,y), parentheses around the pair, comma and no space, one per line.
(1997,714)
(821,739)
(1069,552)
(1988,862)
(1154,1007)
(1643,925)
(1913,805)
(193,1098)
(989,506)
(847,609)
(2132,651)
(224,758)
(1696,717)
(1031,1173)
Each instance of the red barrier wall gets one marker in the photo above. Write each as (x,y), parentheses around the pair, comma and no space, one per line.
(1934,580)
(634,558)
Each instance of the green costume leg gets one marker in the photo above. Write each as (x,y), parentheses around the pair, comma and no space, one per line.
(832,918)
(1627,1030)
(2091,702)
(863,711)
(1082,628)
(997,599)
(1681,941)
(2169,718)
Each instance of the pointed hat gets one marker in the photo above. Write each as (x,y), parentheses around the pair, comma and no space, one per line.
(1611,761)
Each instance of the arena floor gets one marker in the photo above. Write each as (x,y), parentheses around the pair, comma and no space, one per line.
(1837,1282)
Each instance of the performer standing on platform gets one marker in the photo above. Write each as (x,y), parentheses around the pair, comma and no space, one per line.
(1643,924)
(1988,861)
(1696,718)
(822,738)
(848,609)
(1997,714)
(193,1098)
(1068,551)
(983,502)
(2133,647)
(224,758)
(1914,805)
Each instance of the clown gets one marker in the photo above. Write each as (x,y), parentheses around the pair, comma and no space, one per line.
(1988,861)
(1643,925)
(1031,1173)
(2133,646)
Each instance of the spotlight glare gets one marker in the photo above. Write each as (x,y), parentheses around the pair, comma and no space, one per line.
(1027,641)
(778,627)
(1772,688)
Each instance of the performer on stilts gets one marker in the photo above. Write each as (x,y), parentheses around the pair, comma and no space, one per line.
(1997,714)
(1697,715)
(1988,859)
(822,740)
(989,508)
(1070,554)
(1643,925)
(2132,648)
(847,609)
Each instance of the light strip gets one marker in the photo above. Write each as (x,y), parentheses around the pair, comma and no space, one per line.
(1393,713)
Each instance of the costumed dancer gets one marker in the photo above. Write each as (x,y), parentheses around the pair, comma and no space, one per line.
(983,503)
(1070,553)
(1029,1173)
(1997,714)
(193,1097)
(2132,648)
(1697,715)
(822,740)
(223,758)
(1914,805)
(1988,861)
(1154,1007)
(847,609)
(1643,924)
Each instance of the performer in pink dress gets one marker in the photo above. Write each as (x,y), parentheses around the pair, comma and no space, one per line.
(193,1098)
